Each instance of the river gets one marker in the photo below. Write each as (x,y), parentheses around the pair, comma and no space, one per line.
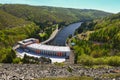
(62,35)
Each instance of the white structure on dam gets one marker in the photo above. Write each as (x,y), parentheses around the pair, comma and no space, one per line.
(32,47)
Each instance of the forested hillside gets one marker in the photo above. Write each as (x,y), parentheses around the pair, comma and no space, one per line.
(43,16)
(105,30)
(9,21)
(108,30)
(103,46)
(13,29)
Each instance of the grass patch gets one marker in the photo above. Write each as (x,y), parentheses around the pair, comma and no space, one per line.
(87,60)
(87,35)
(68,78)
(97,66)
(42,34)
(112,75)
(59,64)
(69,69)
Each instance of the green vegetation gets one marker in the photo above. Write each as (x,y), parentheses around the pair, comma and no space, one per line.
(46,32)
(1,4)
(69,69)
(88,53)
(68,78)
(59,64)
(114,75)
(31,60)
(9,37)
(7,55)
(35,60)
(103,45)
(90,61)
(108,31)
(45,16)
(105,30)
(13,29)
(9,21)
(17,61)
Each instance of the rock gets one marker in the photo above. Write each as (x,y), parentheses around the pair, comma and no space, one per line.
(31,71)
(115,71)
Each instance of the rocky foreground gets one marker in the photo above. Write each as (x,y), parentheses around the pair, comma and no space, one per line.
(34,71)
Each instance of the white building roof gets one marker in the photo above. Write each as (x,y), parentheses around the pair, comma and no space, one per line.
(27,41)
(49,47)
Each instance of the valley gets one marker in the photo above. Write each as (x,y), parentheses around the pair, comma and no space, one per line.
(87,39)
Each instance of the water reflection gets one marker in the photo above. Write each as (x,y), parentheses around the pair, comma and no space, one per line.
(63,34)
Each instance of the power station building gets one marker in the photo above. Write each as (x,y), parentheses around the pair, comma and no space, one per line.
(32,46)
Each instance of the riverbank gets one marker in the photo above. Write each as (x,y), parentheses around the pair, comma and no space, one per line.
(35,71)
(51,36)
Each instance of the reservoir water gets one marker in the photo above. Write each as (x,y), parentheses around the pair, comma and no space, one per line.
(63,34)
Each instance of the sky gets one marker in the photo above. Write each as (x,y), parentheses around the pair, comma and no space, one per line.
(105,5)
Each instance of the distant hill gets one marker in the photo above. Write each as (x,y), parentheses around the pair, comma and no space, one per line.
(8,21)
(112,20)
(43,15)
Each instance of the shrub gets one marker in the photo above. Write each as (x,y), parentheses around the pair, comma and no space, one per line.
(69,69)
(114,61)
(86,60)
(95,54)
(59,64)
(100,61)
(17,60)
